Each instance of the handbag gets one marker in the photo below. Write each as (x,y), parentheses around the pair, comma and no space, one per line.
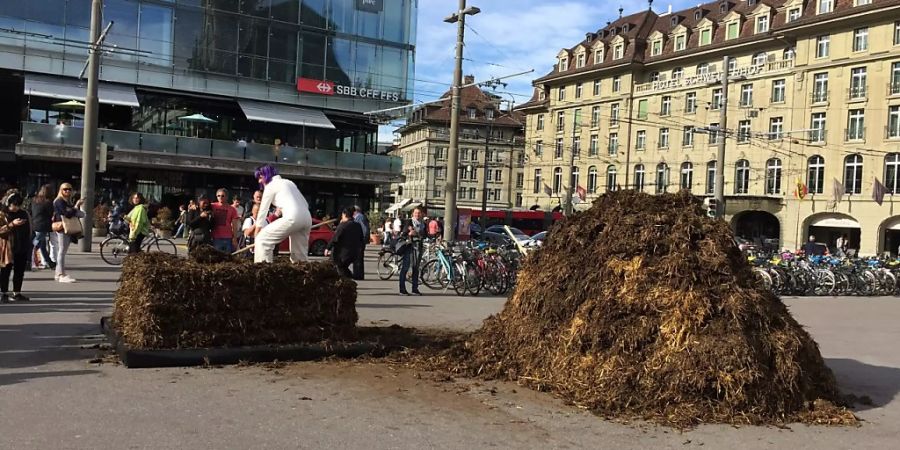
(72,226)
(401,246)
(57,227)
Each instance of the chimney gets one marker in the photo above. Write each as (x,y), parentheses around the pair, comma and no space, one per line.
(468,79)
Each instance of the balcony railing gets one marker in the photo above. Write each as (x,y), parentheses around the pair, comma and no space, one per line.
(894,87)
(41,133)
(854,134)
(856,92)
(819,96)
(817,135)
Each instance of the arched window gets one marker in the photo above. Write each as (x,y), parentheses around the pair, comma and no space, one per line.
(592,180)
(576,176)
(610,178)
(773,176)
(853,166)
(677,73)
(711,177)
(687,175)
(662,178)
(742,177)
(557,180)
(892,172)
(702,69)
(789,53)
(760,58)
(815,174)
(639,177)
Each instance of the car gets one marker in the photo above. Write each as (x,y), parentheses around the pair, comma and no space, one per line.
(537,240)
(495,238)
(501,229)
(318,239)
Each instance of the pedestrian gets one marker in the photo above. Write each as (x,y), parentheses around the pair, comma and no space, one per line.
(346,243)
(41,216)
(388,231)
(434,228)
(295,221)
(225,223)
(359,264)
(64,208)
(192,212)
(410,249)
(138,222)
(182,215)
(236,204)
(247,228)
(15,246)
(201,225)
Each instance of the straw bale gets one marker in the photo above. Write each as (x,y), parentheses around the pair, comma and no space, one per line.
(168,302)
(643,307)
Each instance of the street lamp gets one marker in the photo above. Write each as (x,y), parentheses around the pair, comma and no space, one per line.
(459,18)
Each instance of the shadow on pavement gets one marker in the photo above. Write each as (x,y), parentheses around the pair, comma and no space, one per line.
(7,379)
(390,305)
(880,383)
(35,344)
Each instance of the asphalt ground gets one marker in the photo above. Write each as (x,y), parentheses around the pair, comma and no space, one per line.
(52,397)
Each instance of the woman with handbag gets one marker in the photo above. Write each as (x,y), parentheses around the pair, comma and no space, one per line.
(67,228)
(15,246)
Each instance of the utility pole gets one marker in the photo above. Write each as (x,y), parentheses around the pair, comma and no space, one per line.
(720,136)
(568,207)
(89,143)
(459,18)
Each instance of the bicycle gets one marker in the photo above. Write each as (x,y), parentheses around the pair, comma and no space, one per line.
(388,263)
(114,249)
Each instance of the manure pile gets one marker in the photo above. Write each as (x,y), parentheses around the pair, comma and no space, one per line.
(214,300)
(642,307)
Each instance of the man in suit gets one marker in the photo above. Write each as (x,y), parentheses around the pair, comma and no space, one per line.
(359,270)
(345,246)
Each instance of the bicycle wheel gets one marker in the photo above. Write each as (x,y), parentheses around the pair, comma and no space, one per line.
(473,278)
(114,250)
(433,275)
(459,278)
(385,266)
(162,245)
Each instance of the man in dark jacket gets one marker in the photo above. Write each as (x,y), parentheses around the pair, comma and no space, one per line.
(345,246)
(359,269)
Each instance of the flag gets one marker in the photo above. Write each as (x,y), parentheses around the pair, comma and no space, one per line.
(548,191)
(802,190)
(837,191)
(582,193)
(878,191)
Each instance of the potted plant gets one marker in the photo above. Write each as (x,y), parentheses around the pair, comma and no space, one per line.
(163,222)
(374,223)
(101,220)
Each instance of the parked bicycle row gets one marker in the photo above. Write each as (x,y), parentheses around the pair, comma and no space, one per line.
(789,274)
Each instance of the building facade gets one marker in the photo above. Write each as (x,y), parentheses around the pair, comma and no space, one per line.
(195,93)
(491,153)
(812,116)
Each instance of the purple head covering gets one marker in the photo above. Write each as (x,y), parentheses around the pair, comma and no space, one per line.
(266,171)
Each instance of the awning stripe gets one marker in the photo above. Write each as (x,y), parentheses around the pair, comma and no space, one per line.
(278,113)
(73,89)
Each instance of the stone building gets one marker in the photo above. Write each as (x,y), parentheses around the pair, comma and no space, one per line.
(491,153)
(813,115)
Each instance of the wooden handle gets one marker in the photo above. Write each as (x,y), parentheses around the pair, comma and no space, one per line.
(247,248)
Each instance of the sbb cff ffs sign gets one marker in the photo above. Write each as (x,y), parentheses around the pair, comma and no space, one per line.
(324,87)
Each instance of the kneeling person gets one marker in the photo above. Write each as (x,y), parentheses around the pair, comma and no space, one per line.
(347,243)
(295,221)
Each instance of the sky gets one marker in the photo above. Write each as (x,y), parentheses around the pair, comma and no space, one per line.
(507,37)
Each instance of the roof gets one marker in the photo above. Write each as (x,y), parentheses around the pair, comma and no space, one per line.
(470,97)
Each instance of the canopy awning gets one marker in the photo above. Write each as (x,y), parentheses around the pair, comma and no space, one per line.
(835,222)
(396,206)
(412,206)
(278,113)
(73,89)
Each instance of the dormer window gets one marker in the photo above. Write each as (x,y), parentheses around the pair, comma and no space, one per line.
(732,30)
(598,56)
(656,48)
(619,51)
(793,14)
(825,6)
(489,114)
(697,15)
(625,28)
(563,64)
(751,2)
(579,62)
(674,21)
(472,112)
(723,8)
(680,42)
(762,24)
(706,36)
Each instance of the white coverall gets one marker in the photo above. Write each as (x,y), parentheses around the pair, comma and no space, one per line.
(295,221)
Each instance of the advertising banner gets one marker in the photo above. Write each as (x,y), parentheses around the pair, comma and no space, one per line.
(464,219)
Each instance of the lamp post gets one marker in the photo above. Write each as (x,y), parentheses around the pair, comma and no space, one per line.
(459,18)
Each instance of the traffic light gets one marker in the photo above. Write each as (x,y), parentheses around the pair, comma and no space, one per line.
(711,206)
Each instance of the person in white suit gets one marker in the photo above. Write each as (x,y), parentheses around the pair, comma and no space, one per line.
(295,221)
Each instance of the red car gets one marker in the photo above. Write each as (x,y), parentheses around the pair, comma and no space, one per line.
(318,239)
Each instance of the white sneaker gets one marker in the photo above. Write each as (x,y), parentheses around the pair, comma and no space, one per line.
(65,279)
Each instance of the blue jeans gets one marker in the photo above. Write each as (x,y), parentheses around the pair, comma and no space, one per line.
(179,231)
(41,241)
(410,259)
(223,245)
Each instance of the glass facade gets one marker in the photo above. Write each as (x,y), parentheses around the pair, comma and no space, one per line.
(241,48)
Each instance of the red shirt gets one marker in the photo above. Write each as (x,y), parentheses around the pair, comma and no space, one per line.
(223,218)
